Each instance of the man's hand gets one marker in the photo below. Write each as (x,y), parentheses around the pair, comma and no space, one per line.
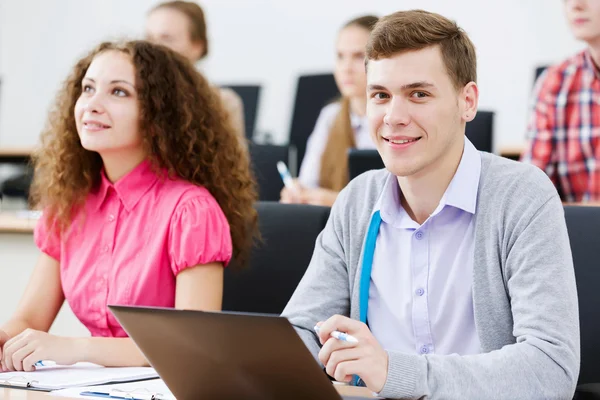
(342,359)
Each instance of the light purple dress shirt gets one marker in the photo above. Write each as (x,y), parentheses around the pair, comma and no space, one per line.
(311,164)
(420,297)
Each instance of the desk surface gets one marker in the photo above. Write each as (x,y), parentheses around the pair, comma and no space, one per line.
(20,394)
(513,152)
(21,151)
(11,223)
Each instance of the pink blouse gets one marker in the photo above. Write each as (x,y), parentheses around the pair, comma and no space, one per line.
(130,241)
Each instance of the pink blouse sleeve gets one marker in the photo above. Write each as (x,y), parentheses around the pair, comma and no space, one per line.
(47,237)
(199,234)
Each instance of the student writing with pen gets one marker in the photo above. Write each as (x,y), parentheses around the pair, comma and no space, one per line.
(341,125)
(146,196)
(451,268)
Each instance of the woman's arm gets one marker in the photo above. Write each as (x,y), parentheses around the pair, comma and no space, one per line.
(197,288)
(40,302)
(234,106)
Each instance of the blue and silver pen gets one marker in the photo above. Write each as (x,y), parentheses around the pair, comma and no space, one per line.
(284,172)
(41,363)
(340,336)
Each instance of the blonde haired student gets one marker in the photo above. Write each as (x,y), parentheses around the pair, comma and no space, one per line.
(341,125)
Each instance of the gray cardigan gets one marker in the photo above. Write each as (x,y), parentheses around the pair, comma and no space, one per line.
(524,294)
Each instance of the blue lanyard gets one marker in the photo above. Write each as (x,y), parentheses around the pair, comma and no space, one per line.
(367,265)
(365,274)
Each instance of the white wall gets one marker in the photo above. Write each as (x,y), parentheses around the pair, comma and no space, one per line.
(269,42)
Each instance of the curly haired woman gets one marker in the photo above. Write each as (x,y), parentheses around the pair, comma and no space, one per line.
(146,196)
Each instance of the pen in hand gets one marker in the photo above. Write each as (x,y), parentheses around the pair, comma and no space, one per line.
(286,177)
(293,189)
(340,335)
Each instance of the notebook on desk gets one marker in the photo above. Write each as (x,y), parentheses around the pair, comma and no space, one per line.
(209,355)
(153,389)
(81,374)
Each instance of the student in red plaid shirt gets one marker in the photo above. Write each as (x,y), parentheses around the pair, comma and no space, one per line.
(564,129)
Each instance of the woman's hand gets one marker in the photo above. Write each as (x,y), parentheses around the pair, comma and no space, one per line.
(22,351)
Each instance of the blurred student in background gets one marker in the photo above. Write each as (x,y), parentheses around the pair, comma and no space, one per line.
(146,196)
(564,128)
(181,26)
(341,125)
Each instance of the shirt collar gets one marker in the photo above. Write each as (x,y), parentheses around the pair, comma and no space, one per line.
(461,192)
(589,63)
(130,188)
(463,188)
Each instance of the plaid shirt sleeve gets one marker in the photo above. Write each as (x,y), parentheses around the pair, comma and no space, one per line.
(541,140)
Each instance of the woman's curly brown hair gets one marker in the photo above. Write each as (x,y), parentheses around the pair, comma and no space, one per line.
(185,131)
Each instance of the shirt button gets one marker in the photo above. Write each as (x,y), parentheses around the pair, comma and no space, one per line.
(424,350)
(111,218)
(420,292)
(419,235)
(105,248)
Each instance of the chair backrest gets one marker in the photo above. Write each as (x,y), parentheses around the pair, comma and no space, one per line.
(17,185)
(583,224)
(539,70)
(250,95)
(363,160)
(264,159)
(480,131)
(278,263)
(312,94)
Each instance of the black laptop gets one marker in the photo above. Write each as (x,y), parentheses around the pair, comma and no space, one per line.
(210,355)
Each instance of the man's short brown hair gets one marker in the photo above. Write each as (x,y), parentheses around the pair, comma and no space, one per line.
(418,29)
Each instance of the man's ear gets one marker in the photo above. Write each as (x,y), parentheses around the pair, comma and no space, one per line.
(469,96)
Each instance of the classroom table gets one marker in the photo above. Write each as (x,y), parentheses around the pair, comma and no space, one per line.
(513,152)
(11,222)
(16,154)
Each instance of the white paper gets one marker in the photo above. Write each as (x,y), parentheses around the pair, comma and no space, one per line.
(81,374)
(155,386)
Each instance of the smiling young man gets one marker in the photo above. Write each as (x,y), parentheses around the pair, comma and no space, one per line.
(564,127)
(451,267)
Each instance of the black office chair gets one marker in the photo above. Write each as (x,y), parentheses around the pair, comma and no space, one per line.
(278,263)
(480,131)
(250,95)
(583,224)
(313,92)
(539,71)
(364,160)
(263,158)
(17,185)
